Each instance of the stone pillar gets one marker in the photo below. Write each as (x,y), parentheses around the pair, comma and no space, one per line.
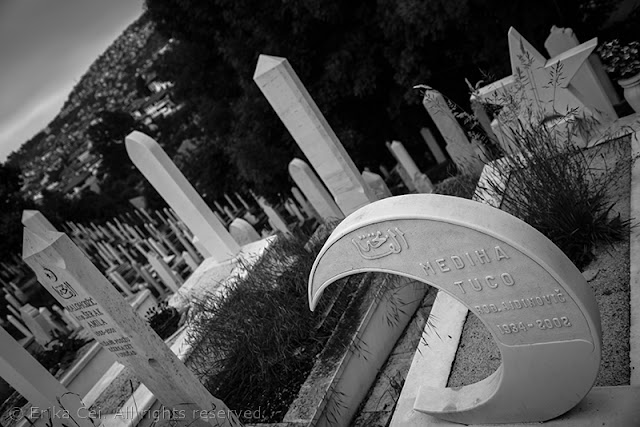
(314,191)
(377,184)
(591,80)
(165,177)
(243,232)
(466,155)
(420,181)
(289,98)
(433,145)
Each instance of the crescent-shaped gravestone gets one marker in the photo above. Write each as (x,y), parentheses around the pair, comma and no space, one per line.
(535,302)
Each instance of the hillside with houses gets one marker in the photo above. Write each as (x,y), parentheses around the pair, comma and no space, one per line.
(59,158)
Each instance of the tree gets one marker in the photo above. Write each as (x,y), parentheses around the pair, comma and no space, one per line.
(11,206)
(359,61)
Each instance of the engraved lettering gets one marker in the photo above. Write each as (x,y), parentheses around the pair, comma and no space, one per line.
(517,304)
(443,266)
(507,279)
(427,268)
(470,259)
(460,286)
(457,261)
(565,321)
(482,256)
(547,299)
(493,308)
(373,242)
(560,296)
(475,284)
(500,253)
(539,301)
(489,284)
(556,322)
(485,308)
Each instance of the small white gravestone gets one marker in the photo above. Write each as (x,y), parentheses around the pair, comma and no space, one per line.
(230,201)
(49,399)
(166,274)
(377,184)
(302,201)
(314,190)
(536,303)
(591,80)
(433,145)
(275,220)
(289,98)
(420,181)
(244,203)
(174,188)
(80,287)
(19,326)
(296,210)
(243,232)
(467,156)
(41,331)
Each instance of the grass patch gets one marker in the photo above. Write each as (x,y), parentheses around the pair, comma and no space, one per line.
(562,190)
(255,344)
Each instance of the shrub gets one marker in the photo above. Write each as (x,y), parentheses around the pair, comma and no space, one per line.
(255,343)
(163,319)
(562,190)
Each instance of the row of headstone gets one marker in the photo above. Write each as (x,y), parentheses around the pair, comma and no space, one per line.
(78,286)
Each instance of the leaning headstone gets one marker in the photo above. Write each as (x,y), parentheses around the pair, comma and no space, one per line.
(433,145)
(289,98)
(165,177)
(314,190)
(420,181)
(467,156)
(80,287)
(48,397)
(166,274)
(591,80)
(302,201)
(377,184)
(39,329)
(534,301)
(275,220)
(243,232)
(19,326)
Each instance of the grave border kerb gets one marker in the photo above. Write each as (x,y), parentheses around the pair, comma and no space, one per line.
(448,349)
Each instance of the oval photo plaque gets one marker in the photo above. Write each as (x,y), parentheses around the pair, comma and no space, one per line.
(537,305)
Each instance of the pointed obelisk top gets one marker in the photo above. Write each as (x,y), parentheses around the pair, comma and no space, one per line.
(267,63)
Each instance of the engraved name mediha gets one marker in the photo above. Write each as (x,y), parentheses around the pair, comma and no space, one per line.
(471,259)
(378,245)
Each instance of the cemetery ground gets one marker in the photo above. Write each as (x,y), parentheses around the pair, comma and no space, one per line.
(250,339)
(477,354)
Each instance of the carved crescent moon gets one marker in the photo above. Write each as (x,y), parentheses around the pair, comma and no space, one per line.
(537,305)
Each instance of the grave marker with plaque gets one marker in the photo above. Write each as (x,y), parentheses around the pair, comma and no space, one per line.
(83,291)
(535,302)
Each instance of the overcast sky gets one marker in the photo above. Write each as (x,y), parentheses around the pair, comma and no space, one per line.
(45,47)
